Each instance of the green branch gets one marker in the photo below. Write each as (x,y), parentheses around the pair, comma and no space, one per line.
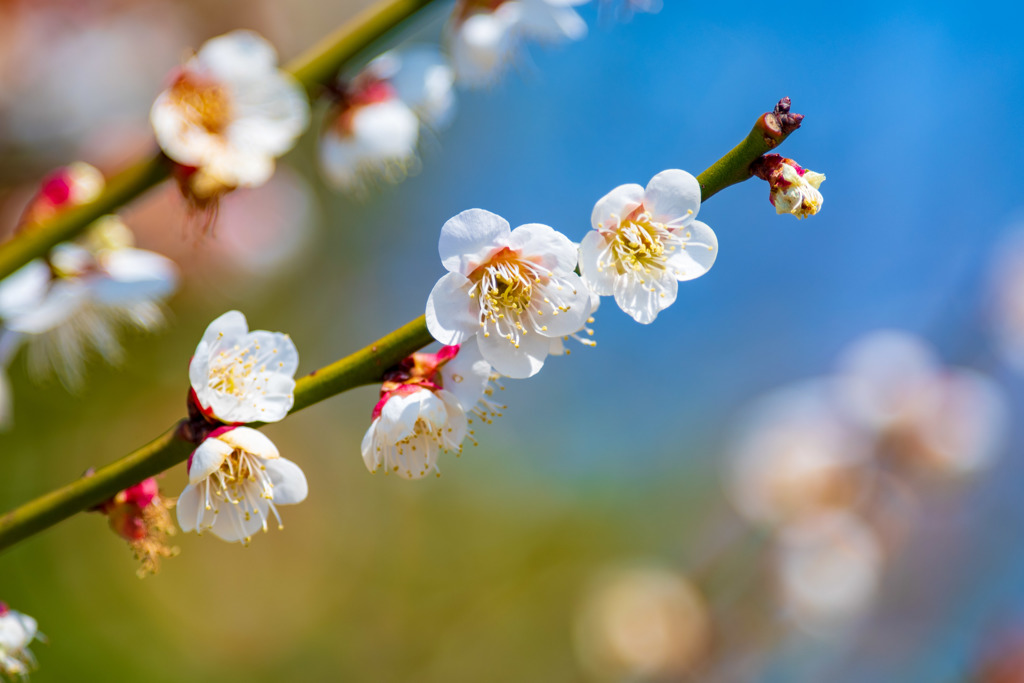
(770,130)
(362,367)
(314,68)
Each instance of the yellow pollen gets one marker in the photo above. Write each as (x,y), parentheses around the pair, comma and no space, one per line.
(203,102)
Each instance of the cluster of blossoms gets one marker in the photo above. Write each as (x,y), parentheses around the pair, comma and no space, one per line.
(17,631)
(236,476)
(827,462)
(77,299)
(141,515)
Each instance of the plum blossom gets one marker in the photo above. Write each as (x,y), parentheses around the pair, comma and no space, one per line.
(794,189)
(141,515)
(228,114)
(240,376)
(17,631)
(646,241)
(79,298)
(933,418)
(423,410)
(642,623)
(514,289)
(484,35)
(795,456)
(236,480)
(374,128)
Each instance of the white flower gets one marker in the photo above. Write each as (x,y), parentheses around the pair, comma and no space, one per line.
(230,112)
(370,141)
(83,296)
(413,426)
(374,130)
(646,241)
(516,288)
(794,189)
(798,192)
(236,480)
(423,411)
(484,36)
(17,631)
(241,376)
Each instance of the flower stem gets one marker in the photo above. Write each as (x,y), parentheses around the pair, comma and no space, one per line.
(316,67)
(768,132)
(362,367)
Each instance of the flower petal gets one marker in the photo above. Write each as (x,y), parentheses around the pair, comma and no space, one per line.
(644,299)
(469,238)
(207,459)
(672,198)
(698,253)
(289,481)
(536,241)
(134,275)
(616,205)
(599,278)
(189,508)
(452,314)
(240,55)
(518,363)
(573,296)
(467,375)
(251,441)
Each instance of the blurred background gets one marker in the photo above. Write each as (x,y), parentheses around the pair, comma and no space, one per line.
(756,487)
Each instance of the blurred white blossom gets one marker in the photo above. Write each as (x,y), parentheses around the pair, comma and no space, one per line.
(642,623)
(484,36)
(17,631)
(228,114)
(373,130)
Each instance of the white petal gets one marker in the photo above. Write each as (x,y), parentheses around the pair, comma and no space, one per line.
(672,197)
(134,275)
(483,45)
(452,314)
(544,20)
(518,363)
(24,289)
(340,159)
(467,375)
(189,508)
(398,416)
(616,205)
(423,80)
(63,298)
(228,527)
(698,255)
(240,55)
(599,278)
(251,441)
(470,238)
(570,291)
(207,459)
(455,424)
(371,457)
(644,299)
(556,251)
(289,481)
(388,130)
(271,113)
